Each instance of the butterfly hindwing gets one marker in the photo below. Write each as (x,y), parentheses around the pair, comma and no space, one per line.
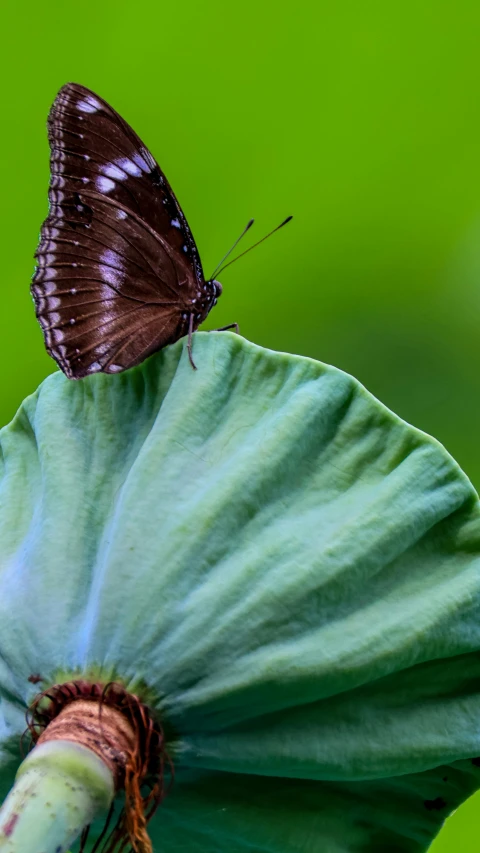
(118,273)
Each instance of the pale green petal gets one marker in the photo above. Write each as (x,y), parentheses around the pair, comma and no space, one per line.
(292,570)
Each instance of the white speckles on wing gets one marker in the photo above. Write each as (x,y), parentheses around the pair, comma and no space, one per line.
(175,223)
(185,248)
(121,214)
(105,185)
(94,367)
(114,368)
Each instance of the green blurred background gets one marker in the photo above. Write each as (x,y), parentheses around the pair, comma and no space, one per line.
(361,119)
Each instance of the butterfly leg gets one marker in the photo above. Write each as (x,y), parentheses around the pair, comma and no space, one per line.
(189,342)
(226,328)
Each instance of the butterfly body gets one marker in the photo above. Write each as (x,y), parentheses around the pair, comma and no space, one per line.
(118,273)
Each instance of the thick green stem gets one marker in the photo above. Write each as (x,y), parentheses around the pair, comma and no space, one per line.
(59,788)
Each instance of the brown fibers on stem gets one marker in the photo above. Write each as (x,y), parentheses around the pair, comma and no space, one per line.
(136,756)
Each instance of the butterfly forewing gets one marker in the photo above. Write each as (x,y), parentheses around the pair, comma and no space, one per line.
(118,273)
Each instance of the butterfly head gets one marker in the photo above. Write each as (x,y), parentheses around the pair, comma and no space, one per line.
(217,290)
(213,290)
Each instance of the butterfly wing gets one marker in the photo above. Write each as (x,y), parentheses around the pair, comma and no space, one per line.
(118,272)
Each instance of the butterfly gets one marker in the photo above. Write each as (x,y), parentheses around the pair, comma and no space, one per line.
(118,273)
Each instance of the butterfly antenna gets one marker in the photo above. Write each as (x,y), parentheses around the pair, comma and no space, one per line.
(218,271)
(247,226)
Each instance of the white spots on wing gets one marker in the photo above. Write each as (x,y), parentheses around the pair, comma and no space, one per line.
(73,290)
(199,293)
(48,274)
(193,301)
(76,243)
(124,166)
(175,223)
(73,264)
(185,248)
(105,185)
(72,321)
(184,316)
(144,160)
(56,196)
(111,268)
(89,105)
(145,153)
(112,171)
(86,157)
(108,256)
(121,214)
(57,334)
(114,368)
(85,180)
(129,166)
(111,276)
(77,350)
(49,287)
(45,260)
(94,367)
(52,303)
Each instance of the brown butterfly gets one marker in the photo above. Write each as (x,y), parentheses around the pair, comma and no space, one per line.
(118,273)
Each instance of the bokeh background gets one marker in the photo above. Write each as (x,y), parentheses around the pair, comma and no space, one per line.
(361,119)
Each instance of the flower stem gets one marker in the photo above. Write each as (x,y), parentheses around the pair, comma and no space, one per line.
(59,789)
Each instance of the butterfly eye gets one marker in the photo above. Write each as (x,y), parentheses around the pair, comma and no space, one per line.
(217,288)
